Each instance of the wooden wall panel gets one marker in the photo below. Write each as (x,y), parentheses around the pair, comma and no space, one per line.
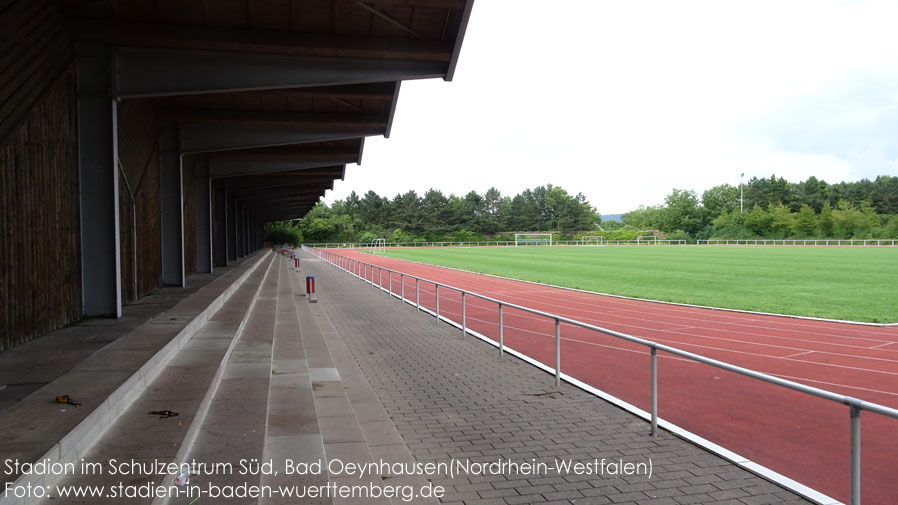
(34,51)
(138,146)
(149,232)
(40,275)
(188,184)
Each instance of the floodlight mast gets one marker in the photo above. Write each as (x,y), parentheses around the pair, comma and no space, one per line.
(741,176)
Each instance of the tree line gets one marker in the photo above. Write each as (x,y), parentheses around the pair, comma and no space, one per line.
(770,208)
(434,216)
(777,209)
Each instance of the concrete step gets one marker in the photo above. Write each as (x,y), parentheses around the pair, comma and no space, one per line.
(184,385)
(354,426)
(230,434)
(292,431)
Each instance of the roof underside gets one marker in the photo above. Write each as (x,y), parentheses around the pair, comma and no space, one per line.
(278,95)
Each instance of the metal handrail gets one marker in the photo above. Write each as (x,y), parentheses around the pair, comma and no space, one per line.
(361,270)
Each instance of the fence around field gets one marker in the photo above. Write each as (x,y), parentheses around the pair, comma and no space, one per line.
(806,242)
(375,276)
(500,243)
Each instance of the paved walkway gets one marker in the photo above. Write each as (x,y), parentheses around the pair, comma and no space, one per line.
(454,398)
(360,377)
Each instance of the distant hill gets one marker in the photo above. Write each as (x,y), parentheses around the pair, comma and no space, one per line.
(612,217)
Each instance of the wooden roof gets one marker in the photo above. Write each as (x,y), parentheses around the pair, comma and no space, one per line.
(256,84)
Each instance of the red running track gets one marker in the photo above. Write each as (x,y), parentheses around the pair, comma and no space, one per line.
(799,436)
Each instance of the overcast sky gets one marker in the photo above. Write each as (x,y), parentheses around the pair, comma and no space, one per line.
(624,100)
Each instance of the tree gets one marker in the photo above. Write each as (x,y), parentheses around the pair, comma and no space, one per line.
(849,221)
(406,212)
(493,218)
(588,217)
(372,209)
(806,221)
(644,218)
(825,221)
(813,193)
(525,216)
(720,199)
(782,221)
(540,203)
(682,212)
(884,195)
(758,221)
(282,232)
(731,225)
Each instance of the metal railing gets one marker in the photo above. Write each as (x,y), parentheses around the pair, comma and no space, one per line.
(366,272)
(805,242)
(492,243)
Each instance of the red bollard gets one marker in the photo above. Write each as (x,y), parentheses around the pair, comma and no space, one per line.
(296,264)
(310,289)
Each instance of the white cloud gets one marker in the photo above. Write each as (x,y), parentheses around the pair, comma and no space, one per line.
(625,100)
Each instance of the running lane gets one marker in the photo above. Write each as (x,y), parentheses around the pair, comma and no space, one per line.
(799,436)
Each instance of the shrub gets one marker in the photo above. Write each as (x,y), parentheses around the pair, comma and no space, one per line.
(282,232)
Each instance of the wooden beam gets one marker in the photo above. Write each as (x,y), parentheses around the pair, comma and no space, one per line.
(297,184)
(299,156)
(431,4)
(256,41)
(259,201)
(282,192)
(286,177)
(371,92)
(282,118)
(459,38)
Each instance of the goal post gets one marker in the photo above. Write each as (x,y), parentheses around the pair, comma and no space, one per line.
(594,240)
(647,239)
(532,239)
(379,245)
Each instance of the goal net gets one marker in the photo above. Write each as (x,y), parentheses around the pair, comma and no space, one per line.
(594,240)
(532,239)
(647,239)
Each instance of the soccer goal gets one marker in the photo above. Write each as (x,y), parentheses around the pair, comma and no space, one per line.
(379,245)
(532,239)
(647,239)
(594,240)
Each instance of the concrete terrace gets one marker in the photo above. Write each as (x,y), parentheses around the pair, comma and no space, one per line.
(355,378)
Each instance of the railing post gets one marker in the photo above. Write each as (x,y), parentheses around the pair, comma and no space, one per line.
(380,278)
(557,353)
(501,334)
(390,284)
(401,287)
(654,392)
(464,323)
(417,294)
(437,311)
(855,468)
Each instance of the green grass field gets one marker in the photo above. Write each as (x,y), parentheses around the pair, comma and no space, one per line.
(859,284)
